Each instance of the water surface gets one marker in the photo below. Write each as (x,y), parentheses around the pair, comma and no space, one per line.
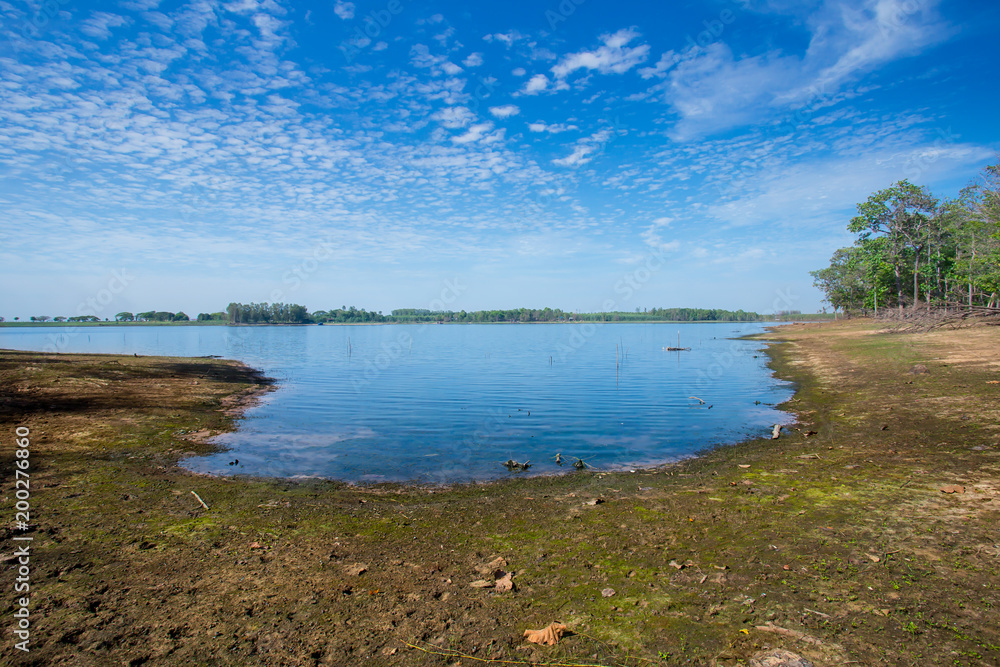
(445,403)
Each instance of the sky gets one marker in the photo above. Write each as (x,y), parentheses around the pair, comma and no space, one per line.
(577,154)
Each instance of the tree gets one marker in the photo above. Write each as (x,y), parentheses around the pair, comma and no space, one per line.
(180,317)
(901,214)
(124,316)
(59,319)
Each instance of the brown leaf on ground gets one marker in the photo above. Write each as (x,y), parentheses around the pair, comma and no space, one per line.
(549,636)
(505,583)
(481,583)
(953,488)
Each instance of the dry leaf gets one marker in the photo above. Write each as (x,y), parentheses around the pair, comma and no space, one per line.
(481,583)
(953,488)
(993,382)
(677,565)
(256,545)
(875,559)
(594,501)
(505,583)
(742,465)
(549,636)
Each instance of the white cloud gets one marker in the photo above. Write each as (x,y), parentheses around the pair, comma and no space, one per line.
(663,65)
(454,117)
(473,60)
(421,57)
(519,71)
(615,57)
(344,10)
(711,89)
(507,38)
(535,84)
(505,111)
(555,128)
(577,157)
(99,24)
(475,133)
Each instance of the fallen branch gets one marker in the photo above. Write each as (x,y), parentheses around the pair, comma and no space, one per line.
(199,499)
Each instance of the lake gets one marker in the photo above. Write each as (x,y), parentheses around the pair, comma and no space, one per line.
(446,403)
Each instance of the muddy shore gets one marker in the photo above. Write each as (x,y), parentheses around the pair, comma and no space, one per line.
(835,541)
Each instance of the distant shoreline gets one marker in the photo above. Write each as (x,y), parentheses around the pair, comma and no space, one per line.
(802,318)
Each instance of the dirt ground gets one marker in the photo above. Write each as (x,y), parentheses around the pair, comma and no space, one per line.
(838,545)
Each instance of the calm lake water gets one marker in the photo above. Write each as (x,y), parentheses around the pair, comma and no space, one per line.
(445,403)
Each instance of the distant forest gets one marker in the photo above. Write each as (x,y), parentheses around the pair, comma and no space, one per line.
(291,313)
(913,250)
(279,313)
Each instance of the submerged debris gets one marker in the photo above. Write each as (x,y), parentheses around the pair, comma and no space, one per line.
(513,465)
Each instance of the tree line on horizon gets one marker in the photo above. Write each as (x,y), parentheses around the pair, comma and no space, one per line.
(915,250)
(282,313)
(263,313)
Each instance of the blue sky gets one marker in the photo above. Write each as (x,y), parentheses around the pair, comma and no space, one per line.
(394,153)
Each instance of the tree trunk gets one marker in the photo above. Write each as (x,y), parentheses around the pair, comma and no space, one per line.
(899,287)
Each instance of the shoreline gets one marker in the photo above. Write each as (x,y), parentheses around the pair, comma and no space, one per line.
(708,559)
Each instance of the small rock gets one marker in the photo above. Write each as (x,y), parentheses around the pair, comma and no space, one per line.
(357,569)
(953,488)
(607,592)
(918,369)
(482,583)
(505,583)
(495,565)
(594,501)
(778,657)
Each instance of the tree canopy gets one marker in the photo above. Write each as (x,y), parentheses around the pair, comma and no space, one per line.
(912,249)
